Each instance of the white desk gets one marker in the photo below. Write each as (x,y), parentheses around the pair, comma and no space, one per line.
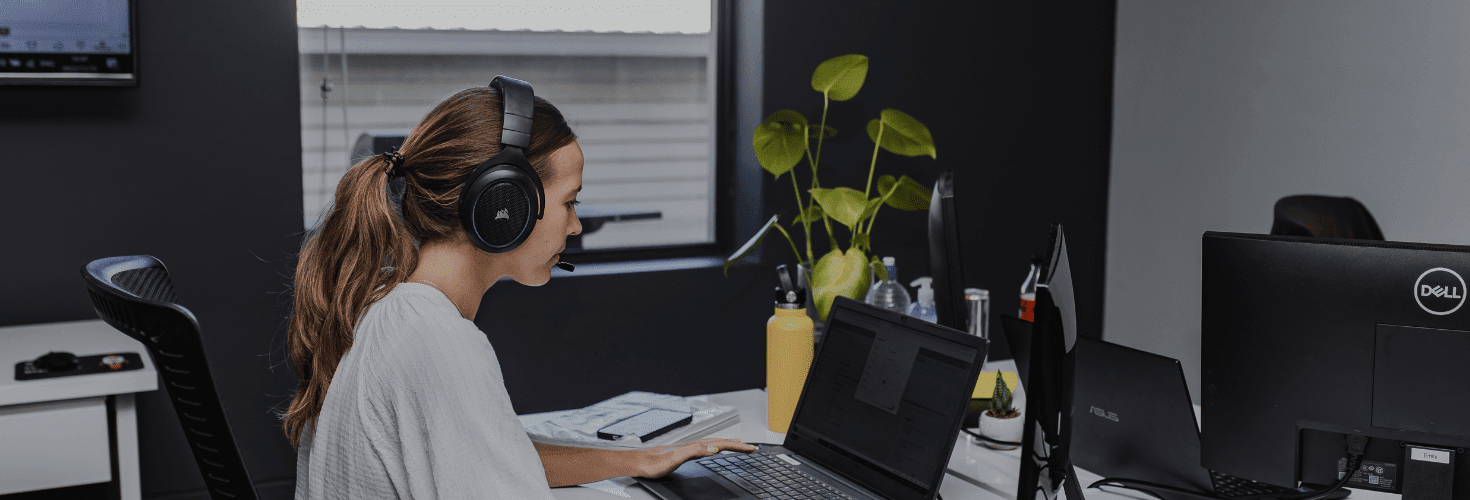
(54,430)
(974,472)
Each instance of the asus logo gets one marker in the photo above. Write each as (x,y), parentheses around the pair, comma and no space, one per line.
(1439,291)
(1105,414)
(502,214)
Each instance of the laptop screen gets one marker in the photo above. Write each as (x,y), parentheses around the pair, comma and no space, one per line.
(885,399)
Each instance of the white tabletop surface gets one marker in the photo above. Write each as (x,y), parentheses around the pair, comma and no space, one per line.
(82,338)
(974,471)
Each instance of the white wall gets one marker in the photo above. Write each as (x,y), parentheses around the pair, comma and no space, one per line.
(1221,108)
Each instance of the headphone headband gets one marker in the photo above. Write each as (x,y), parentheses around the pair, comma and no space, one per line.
(519,103)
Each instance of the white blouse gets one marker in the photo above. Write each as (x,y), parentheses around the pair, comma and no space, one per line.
(418,409)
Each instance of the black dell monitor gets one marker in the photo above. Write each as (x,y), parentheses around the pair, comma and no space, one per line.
(1046,465)
(1307,341)
(945,258)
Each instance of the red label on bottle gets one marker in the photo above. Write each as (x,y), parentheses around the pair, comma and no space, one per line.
(1028,309)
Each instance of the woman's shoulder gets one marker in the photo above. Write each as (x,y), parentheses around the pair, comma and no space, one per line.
(417,319)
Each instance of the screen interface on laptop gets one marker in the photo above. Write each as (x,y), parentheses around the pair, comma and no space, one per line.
(883,395)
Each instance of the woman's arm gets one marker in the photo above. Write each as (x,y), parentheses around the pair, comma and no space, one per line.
(571,466)
(568,466)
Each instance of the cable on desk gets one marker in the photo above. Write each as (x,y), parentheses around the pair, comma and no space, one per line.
(989,439)
(1357,444)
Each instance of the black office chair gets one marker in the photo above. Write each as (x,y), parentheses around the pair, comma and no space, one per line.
(134,295)
(1324,217)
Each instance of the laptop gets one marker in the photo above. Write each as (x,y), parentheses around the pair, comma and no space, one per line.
(1134,420)
(878,417)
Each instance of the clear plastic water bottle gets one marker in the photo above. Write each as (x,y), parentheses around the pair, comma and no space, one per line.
(890,294)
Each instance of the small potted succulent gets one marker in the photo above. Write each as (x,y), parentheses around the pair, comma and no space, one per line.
(1001,422)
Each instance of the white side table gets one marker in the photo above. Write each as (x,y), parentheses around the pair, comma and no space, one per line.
(55,429)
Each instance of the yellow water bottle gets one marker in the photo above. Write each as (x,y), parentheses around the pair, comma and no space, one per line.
(789,348)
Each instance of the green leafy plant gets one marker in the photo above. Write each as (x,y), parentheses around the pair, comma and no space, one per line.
(1000,400)
(784,139)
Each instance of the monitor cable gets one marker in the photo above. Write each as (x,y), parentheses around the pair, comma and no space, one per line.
(1357,445)
(989,439)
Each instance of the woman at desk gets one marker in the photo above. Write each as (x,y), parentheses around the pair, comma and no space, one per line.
(401,395)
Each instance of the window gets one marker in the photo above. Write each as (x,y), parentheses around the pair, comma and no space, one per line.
(635,80)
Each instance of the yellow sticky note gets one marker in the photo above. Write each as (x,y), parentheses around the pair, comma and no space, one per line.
(985,387)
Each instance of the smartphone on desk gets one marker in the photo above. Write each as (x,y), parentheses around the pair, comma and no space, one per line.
(647,425)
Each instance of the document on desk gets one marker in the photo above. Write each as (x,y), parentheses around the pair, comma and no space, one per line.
(579,427)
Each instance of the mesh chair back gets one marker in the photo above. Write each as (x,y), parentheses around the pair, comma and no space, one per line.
(134,295)
(1324,217)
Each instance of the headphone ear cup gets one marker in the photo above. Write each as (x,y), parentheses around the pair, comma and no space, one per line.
(498,208)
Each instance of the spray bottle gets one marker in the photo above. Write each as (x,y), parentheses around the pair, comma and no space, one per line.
(790,345)
(924,308)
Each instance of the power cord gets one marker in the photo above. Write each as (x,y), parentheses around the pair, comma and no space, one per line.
(1356,446)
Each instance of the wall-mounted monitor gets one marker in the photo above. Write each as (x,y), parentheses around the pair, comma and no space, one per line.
(68,42)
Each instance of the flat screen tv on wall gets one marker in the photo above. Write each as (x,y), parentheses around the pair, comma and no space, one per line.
(68,42)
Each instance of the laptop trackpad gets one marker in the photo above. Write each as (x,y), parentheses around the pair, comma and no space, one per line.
(699,488)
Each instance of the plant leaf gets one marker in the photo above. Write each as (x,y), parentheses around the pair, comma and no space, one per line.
(830,132)
(812,214)
(910,195)
(839,273)
(862,241)
(754,242)
(843,204)
(902,134)
(876,264)
(780,141)
(840,77)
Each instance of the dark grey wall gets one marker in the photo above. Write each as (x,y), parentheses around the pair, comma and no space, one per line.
(1018,99)
(199,165)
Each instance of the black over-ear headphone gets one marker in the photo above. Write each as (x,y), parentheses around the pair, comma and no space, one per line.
(498,199)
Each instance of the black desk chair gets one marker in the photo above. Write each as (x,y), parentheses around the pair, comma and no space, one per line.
(1324,217)
(134,295)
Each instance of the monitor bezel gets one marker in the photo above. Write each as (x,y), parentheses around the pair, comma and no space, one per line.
(8,79)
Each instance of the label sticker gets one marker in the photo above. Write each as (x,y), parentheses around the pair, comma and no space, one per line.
(1430,455)
(1373,475)
(783,456)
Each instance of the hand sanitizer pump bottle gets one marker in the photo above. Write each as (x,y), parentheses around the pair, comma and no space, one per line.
(924,308)
(789,351)
(890,294)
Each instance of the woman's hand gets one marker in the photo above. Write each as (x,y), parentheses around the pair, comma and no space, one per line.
(659,461)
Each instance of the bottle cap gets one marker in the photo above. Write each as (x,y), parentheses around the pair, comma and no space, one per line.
(792,299)
(888,261)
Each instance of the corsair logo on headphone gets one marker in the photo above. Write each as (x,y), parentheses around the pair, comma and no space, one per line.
(1439,291)
(502,214)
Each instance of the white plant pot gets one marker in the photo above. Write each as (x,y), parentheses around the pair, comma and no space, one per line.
(1001,429)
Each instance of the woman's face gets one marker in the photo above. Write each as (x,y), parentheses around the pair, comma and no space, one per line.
(530,264)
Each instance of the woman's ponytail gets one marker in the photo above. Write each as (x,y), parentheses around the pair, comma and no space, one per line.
(355,257)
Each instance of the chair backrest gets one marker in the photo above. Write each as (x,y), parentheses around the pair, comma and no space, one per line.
(1324,217)
(134,295)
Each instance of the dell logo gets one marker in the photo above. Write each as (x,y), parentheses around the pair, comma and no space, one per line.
(502,214)
(1439,291)
(1104,414)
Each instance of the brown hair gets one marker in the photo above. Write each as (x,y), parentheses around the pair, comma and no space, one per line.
(362,249)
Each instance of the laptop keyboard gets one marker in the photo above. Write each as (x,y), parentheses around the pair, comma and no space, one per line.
(1232,486)
(766,476)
